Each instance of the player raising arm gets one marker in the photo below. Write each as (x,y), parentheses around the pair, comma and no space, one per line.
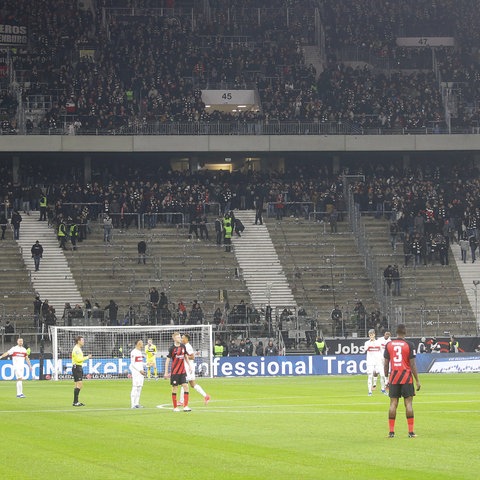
(77,369)
(19,357)
(138,374)
(400,358)
(190,368)
(178,375)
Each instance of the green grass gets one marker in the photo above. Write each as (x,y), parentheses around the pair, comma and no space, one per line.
(254,428)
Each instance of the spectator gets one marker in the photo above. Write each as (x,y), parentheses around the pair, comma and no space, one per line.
(37,254)
(112,309)
(453,345)
(142,250)
(396,280)
(9,331)
(248,347)
(3,225)
(271,349)
(233,348)
(15,221)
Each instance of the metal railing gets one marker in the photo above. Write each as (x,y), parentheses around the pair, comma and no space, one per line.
(272,127)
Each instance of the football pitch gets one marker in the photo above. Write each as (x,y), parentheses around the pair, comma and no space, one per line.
(253,428)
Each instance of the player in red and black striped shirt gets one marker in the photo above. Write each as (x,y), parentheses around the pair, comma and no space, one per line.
(400,361)
(178,375)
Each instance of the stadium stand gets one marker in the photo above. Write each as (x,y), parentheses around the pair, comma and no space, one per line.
(139,67)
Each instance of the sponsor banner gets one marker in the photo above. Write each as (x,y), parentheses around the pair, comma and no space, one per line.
(331,365)
(92,369)
(455,364)
(349,346)
(301,365)
(13,35)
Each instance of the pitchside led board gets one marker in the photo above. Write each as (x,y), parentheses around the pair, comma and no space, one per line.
(304,365)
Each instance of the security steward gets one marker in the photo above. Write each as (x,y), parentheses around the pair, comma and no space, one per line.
(218,349)
(43,208)
(62,235)
(227,233)
(320,346)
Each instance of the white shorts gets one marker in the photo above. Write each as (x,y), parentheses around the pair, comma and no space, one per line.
(137,379)
(20,372)
(371,369)
(191,376)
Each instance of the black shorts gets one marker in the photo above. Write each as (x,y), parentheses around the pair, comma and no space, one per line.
(397,390)
(178,379)
(77,371)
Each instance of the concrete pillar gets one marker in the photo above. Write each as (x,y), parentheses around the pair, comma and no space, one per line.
(194,164)
(335,164)
(16,169)
(87,169)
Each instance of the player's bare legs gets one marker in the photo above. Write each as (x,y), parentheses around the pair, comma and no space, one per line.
(392,415)
(408,401)
(198,388)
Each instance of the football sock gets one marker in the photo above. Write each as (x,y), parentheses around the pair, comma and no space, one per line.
(200,390)
(185,399)
(76,393)
(410,422)
(155,372)
(374,381)
(19,387)
(174,400)
(391,424)
(148,372)
(382,381)
(133,396)
(181,394)
(369,382)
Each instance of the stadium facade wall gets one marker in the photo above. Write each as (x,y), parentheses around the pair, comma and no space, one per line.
(238,143)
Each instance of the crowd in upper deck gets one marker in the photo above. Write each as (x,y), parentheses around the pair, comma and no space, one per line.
(106,71)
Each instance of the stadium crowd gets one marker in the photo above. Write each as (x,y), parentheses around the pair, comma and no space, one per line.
(112,71)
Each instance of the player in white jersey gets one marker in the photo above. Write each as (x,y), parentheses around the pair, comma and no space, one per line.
(19,357)
(190,368)
(383,343)
(373,350)
(137,368)
(384,340)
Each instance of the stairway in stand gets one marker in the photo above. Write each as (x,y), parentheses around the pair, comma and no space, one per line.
(470,277)
(260,265)
(53,281)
